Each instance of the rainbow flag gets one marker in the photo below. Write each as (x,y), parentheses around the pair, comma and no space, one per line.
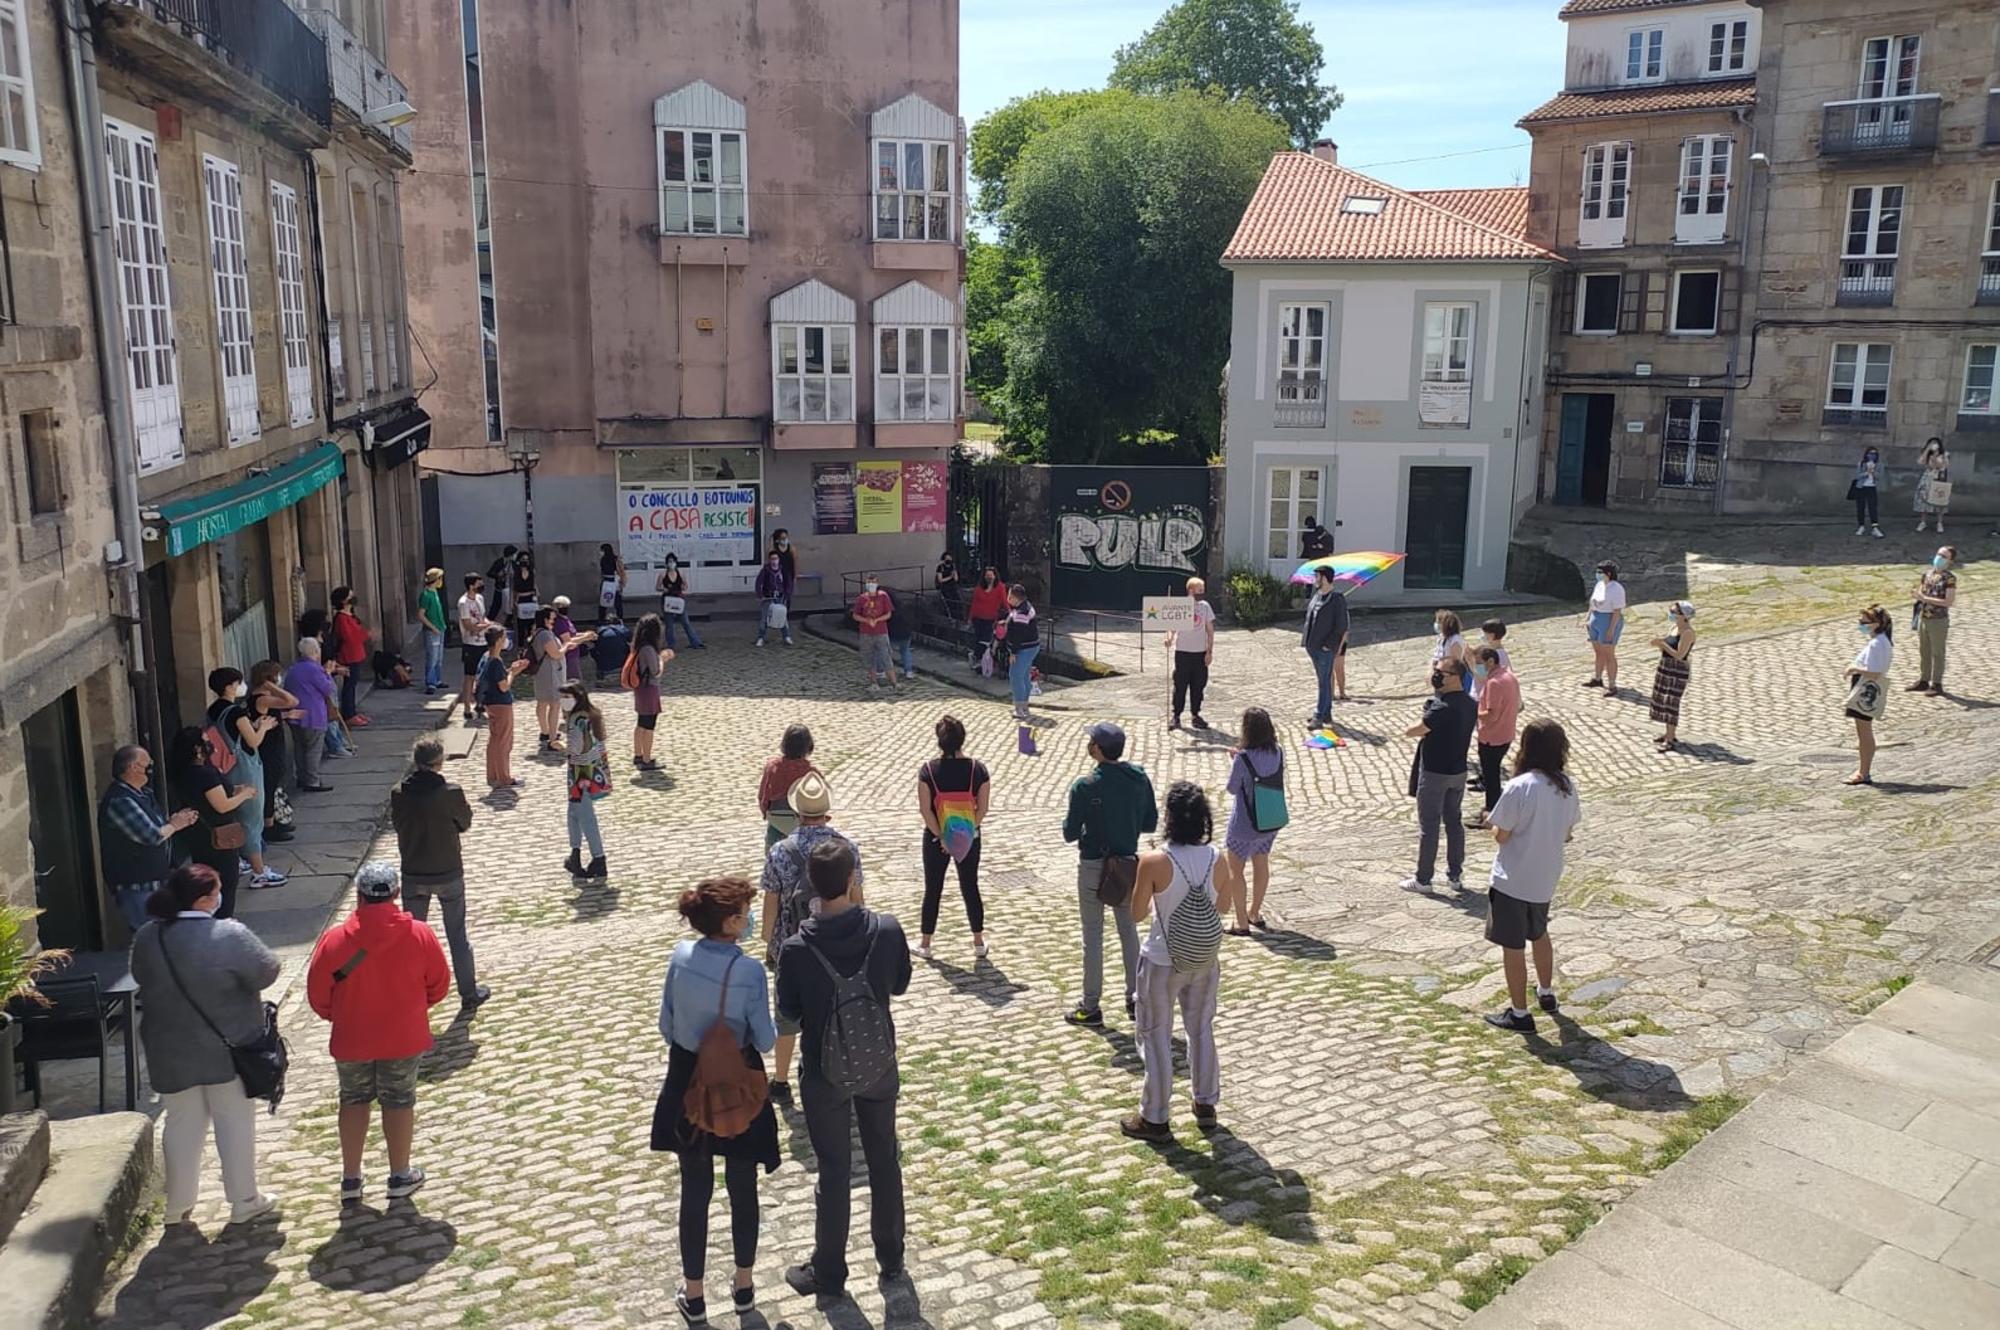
(1324,738)
(1357,569)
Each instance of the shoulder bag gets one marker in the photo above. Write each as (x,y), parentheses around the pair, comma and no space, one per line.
(261,1061)
(1267,797)
(1121,873)
(957,814)
(1867,698)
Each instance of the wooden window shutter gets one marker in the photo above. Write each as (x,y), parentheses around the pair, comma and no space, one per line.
(1566,303)
(1659,289)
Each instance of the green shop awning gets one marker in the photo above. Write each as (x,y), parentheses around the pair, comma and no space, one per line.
(187,523)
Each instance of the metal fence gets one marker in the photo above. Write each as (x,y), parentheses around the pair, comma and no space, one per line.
(263,37)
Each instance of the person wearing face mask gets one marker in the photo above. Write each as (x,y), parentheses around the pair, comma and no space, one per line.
(589,780)
(1670,678)
(673,589)
(610,585)
(1450,642)
(1024,642)
(1865,490)
(1605,624)
(216,836)
(872,611)
(1867,686)
(1499,708)
(989,604)
(1438,775)
(350,651)
(239,727)
(788,561)
(946,581)
(1325,640)
(774,594)
(1933,484)
(1930,615)
(472,626)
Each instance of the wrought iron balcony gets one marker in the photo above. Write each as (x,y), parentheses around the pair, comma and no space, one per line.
(1867,282)
(1301,404)
(261,37)
(1993,117)
(1856,417)
(1880,125)
(1989,281)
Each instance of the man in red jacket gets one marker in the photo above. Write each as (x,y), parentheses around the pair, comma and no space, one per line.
(375,977)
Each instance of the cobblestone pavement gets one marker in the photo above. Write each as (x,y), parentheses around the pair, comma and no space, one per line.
(1385,1158)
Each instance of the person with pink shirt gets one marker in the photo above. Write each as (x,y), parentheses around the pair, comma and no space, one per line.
(1499,716)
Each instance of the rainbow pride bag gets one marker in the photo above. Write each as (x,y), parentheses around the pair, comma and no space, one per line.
(957,818)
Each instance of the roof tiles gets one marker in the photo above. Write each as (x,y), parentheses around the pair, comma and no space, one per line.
(1577,7)
(1298,214)
(1715,94)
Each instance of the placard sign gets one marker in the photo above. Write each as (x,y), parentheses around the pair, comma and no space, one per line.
(833,499)
(1173,613)
(1444,403)
(699,523)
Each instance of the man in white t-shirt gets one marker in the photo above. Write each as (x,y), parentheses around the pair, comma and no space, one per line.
(472,623)
(1537,814)
(1194,652)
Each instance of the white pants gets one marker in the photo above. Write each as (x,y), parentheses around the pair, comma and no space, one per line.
(184,1139)
(1160,987)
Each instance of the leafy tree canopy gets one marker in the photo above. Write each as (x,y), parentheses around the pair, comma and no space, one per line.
(999,138)
(1257,51)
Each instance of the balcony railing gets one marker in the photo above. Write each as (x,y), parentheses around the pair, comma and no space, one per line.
(1989,281)
(1993,117)
(1880,125)
(361,82)
(1301,404)
(1867,282)
(263,37)
(1856,417)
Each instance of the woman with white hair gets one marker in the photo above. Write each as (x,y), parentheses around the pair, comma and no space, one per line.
(1670,679)
(308,681)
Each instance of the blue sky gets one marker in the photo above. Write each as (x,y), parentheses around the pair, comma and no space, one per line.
(1423,78)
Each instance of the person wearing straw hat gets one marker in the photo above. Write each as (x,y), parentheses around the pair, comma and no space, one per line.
(1670,677)
(789,899)
(430,613)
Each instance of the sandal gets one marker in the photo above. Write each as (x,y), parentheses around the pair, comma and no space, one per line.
(1259,923)
(1859,780)
(1237,932)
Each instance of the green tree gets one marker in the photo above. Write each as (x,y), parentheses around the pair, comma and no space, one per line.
(1114,323)
(1251,50)
(1000,137)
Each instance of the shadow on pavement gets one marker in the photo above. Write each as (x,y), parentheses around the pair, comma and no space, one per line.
(985,981)
(1712,752)
(1909,787)
(1125,1050)
(1294,945)
(453,1052)
(1239,1186)
(374,1251)
(1604,1072)
(235,1266)
(594,899)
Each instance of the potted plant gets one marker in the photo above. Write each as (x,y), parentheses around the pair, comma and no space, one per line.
(22,962)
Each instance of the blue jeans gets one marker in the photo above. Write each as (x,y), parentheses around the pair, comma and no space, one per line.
(1322,659)
(1017,672)
(336,742)
(433,659)
(688,627)
(764,623)
(583,826)
(908,657)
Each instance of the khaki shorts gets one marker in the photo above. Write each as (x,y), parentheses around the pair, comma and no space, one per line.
(393,1082)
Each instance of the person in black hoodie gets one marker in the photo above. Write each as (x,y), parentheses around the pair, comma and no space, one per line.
(851,940)
(430,814)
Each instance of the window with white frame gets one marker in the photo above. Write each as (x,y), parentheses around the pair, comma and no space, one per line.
(1607,194)
(1728,46)
(914,374)
(1448,342)
(1301,352)
(1989,260)
(293,330)
(812,370)
(1645,55)
(1691,445)
(1703,213)
(1597,300)
(913,189)
(229,265)
(1874,232)
(1888,68)
(1858,383)
(20,140)
(1697,303)
(144,294)
(1296,493)
(1982,364)
(703,185)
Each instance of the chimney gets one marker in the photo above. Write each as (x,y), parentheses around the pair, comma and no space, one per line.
(1326,150)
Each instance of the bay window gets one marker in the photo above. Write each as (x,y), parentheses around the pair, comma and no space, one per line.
(812,370)
(913,190)
(703,186)
(914,374)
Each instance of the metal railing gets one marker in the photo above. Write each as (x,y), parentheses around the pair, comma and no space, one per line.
(1856,417)
(263,37)
(1992,117)
(1989,281)
(1880,124)
(1867,282)
(361,81)
(1301,404)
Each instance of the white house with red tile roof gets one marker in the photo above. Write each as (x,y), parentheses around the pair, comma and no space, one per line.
(1385,367)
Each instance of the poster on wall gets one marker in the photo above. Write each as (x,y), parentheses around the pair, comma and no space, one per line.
(1124,533)
(833,499)
(878,498)
(699,523)
(1444,403)
(926,496)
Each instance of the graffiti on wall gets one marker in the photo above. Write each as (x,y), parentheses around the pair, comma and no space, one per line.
(1127,532)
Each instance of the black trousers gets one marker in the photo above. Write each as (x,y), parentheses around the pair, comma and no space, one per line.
(935,862)
(831,1116)
(1190,679)
(1867,505)
(1490,775)
(697,1189)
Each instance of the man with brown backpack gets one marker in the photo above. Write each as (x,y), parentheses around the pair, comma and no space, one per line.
(715,1013)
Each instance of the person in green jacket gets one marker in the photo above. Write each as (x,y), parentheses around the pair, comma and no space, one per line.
(1108,811)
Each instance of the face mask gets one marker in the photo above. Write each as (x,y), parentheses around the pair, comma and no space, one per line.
(1604,577)
(1940,562)
(1437,680)
(673,564)
(869,587)
(1865,629)
(784,544)
(749,922)
(240,691)
(1479,671)
(568,705)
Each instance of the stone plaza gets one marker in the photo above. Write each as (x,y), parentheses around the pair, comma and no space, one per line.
(1383,1158)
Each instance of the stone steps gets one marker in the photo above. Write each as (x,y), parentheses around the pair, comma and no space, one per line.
(77,1221)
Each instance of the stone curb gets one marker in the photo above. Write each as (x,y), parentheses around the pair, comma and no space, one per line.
(79,1222)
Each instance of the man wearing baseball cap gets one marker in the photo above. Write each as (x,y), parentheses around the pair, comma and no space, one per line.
(375,976)
(1108,811)
(430,613)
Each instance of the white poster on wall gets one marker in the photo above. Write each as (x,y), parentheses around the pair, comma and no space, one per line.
(1444,403)
(698,523)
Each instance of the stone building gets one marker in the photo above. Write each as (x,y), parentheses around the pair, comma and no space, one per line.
(711,285)
(1877,240)
(1640,178)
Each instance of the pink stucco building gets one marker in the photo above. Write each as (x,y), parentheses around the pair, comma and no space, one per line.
(692,260)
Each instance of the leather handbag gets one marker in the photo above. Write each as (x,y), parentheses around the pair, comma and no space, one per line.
(228,836)
(1121,873)
(262,1060)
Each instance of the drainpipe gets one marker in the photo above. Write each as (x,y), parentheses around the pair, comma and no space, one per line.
(1745,292)
(113,370)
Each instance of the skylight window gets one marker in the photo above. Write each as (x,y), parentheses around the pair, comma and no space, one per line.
(1361,203)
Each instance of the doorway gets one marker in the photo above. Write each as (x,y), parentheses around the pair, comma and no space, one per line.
(59,827)
(1295,494)
(1434,536)
(1583,451)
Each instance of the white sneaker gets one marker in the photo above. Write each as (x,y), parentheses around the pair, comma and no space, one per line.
(760,641)
(980,951)
(270,877)
(1411,884)
(257,1206)
(921,952)
(911,674)
(1861,530)
(1875,531)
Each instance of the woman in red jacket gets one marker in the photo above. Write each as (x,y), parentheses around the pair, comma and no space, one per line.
(989,606)
(350,649)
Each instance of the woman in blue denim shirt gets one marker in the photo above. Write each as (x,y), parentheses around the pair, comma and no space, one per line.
(707,980)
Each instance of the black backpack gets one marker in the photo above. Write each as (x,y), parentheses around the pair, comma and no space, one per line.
(858,1042)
